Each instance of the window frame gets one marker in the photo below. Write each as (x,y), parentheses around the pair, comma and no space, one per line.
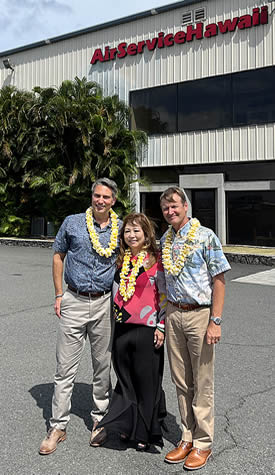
(232,100)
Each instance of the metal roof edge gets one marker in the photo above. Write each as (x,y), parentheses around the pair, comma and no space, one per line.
(101,26)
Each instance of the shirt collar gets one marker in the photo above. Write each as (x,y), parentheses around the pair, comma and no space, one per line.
(184,230)
(109,225)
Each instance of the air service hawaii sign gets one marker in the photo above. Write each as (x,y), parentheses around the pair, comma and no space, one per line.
(258,17)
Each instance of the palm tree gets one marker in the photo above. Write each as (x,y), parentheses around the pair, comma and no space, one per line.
(58,141)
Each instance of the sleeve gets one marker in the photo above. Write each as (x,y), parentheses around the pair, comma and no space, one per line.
(214,256)
(61,243)
(161,286)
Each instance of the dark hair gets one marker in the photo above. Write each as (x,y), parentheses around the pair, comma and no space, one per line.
(169,192)
(106,182)
(147,227)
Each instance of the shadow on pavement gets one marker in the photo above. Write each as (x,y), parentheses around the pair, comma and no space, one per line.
(81,407)
(81,401)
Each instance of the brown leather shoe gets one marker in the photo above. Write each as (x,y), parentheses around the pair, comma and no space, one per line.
(197,459)
(49,444)
(98,436)
(178,454)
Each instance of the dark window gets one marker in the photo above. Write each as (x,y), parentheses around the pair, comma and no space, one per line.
(254,97)
(204,104)
(251,217)
(151,207)
(203,207)
(231,100)
(155,110)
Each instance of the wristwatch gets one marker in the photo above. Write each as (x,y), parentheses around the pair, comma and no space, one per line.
(216,320)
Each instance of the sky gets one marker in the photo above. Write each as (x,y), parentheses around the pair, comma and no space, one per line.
(23,22)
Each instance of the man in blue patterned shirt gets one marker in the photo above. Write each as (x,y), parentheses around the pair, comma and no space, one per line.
(89,241)
(194,265)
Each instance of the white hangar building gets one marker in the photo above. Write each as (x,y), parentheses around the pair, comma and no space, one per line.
(200,77)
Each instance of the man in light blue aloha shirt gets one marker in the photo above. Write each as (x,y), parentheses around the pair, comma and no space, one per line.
(194,265)
(90,243)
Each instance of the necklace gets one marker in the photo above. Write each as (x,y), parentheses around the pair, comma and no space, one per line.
(127,291)
(174,266)
(105,252)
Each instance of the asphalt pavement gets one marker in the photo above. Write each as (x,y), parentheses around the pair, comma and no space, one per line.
(244,383)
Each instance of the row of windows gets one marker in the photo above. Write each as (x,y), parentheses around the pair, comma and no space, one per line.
(231,100)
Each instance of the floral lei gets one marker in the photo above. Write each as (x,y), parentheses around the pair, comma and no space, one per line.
(104,252)
(127,291)
(174,266)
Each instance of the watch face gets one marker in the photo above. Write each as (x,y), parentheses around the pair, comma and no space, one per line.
(216,320)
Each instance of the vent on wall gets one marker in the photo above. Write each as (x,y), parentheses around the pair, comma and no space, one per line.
(187,17)
(200,14)
(194,16)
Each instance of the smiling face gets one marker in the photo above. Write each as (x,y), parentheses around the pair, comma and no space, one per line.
(134,237)
(102,201)
(175,211)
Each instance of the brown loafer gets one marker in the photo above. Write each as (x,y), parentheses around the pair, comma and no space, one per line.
(197,459)
(49,444)
(178,454)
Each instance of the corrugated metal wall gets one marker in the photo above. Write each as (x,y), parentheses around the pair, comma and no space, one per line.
(244,49)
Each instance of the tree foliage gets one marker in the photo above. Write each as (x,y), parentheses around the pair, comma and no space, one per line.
(54,142)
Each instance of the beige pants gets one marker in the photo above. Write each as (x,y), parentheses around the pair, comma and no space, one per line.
(82,316)
(192,369)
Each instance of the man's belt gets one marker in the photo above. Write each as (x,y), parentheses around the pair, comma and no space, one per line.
(187,307)
(89,294)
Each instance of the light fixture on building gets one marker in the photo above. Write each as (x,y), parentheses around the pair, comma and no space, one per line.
(7,64)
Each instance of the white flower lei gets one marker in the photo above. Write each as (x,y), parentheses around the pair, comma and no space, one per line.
(104,252)
(173,267)
(127,291)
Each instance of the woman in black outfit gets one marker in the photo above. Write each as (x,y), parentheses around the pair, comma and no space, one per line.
(138,406)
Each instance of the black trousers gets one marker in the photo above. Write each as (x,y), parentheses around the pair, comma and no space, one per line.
(138,405)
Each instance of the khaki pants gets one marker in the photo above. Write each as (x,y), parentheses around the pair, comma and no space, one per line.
(192,369)
(82,316)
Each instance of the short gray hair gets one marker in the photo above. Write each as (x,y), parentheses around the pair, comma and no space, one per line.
(106,182)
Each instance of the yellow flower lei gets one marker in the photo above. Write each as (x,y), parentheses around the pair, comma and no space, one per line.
(127,291)
(173,267)
(104,252)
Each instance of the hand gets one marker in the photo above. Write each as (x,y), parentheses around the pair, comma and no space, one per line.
(57,306)
(158,338)
(213,333)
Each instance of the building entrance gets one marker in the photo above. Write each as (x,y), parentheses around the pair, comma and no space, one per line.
(203,207)
(151,207)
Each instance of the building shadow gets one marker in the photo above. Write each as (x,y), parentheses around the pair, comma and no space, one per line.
(81,407)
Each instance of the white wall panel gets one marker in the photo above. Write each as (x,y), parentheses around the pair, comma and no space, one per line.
(230,145)
(245,49)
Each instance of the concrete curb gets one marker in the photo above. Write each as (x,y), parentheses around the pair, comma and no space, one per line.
(251,259)
(27,242)
(242,258)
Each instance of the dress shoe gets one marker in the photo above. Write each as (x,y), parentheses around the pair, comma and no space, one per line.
(197,459)
(98,435)
(178,454)
(49,444)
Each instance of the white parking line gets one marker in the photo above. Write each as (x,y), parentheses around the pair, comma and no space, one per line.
(266,277)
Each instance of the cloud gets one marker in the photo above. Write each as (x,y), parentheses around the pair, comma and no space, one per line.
(36,19)
(38,5)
